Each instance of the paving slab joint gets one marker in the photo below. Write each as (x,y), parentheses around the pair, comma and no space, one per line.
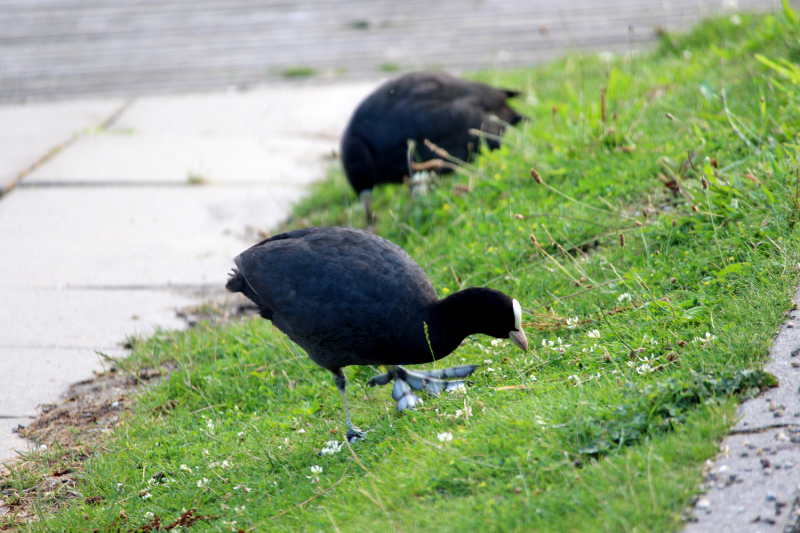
(52,152)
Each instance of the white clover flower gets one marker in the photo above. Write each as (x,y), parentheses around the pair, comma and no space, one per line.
(466,412)
(445,437)
(210,424)
(532,377)
(226,464)
(301,430)
(331,447)
(625,297)
(316,470)
(202,483)
(572,322)
(644,369)
(206,453)
(708,338)
(240,434)
(145,495)
(186,468)
(213,464)
(497,342)
(594,334)
(149,515)
(489,369)
(487,361)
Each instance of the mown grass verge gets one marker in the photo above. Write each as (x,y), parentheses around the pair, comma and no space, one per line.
(654,260)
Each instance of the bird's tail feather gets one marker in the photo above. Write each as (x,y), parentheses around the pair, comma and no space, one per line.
(235,282)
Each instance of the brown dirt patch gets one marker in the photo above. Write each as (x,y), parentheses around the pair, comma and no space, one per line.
(66,435)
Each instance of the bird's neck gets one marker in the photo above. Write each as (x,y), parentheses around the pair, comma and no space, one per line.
(451,320)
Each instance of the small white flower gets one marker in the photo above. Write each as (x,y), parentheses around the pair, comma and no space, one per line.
(736,20)
(213,464)
(497,342)
(301,430)
(331,447)
(625,297)
(466,412)
(202,482)
(594,334)
(315,472)
(148,514)
(226,464)
(708,338)
(240,434)
(210,424)
(489,369)
(532,377)
(206,453)
(186,468)
(487,361)
(572,322)
(146,495)
(644,369)
(445,437)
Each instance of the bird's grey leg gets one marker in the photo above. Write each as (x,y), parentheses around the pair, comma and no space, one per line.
(366,199)
(353,433)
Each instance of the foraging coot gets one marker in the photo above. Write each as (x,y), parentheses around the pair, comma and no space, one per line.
(415,107)
(349,297)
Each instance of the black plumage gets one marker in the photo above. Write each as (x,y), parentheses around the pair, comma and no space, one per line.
(415,107)
(349,297)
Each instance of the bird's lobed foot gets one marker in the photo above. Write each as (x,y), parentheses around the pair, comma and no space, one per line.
(354,434)
(432,382)
(402,394)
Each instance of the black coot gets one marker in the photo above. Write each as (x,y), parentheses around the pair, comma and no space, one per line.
(349,297)
(415,107)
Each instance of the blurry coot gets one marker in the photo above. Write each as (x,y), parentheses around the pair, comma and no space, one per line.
(415,107)
(349,297)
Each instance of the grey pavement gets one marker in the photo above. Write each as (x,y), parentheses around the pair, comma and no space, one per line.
(752,486)
(56,48)
(107,236)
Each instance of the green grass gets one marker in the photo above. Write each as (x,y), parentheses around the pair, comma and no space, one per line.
(299,72)
(585,432)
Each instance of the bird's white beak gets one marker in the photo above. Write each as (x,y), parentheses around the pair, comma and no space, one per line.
(519,339)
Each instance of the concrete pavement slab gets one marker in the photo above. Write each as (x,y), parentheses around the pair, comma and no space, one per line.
(146,158)
(131,236)
(30,131)
(274,134)
(91,319)
(753,484)
(271,111)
